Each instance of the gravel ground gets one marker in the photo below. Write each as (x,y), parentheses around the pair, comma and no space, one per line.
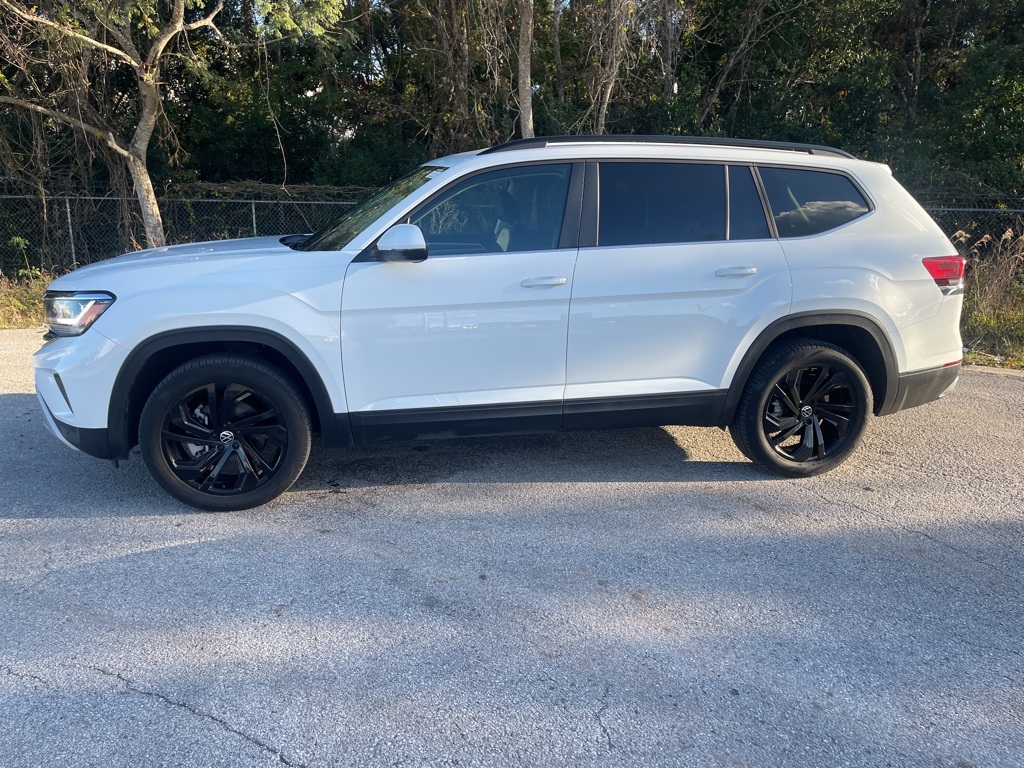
(618,598)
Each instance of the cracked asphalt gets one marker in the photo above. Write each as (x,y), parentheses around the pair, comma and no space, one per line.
(621,598)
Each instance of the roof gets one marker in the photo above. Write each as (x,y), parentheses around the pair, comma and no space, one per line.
(540,142)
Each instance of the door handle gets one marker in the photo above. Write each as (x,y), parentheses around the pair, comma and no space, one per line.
(543,282)
(736,272)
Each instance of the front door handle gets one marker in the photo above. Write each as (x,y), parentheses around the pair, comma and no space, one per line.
(736,272)
(543,282)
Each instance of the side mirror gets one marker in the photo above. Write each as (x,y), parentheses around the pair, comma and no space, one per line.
(403,242)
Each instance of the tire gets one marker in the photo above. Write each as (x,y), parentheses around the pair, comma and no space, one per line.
(803,410)
(246,450)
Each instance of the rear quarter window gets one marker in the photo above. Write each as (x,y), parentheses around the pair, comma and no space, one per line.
(746,214)
(808,202)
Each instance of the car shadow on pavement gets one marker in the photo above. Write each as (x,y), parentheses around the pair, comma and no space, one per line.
(649,455)
(39,477)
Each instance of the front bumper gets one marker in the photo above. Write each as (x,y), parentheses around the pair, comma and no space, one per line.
(74,377)
(91,441)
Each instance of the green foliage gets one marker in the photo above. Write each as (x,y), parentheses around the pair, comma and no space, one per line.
(982,120)
(312,18)
(320,91)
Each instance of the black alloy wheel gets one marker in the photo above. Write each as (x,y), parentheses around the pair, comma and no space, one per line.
(225,432)
(809,413)
(224,438)
(804,409)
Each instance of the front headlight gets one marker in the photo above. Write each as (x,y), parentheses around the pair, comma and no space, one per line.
(71,313)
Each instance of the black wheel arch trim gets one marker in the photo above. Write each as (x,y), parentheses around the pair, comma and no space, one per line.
(810,321)
(333,431)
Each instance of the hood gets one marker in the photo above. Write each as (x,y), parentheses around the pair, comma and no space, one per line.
(180,256)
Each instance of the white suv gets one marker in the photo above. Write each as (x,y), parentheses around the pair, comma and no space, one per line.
(788,292)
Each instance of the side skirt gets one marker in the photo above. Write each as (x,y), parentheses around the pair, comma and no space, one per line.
(464,421)
(699,409)
(691,409)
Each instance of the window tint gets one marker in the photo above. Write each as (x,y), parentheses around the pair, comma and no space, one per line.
(746,214)
(512,209)
(809,202)
(646,203)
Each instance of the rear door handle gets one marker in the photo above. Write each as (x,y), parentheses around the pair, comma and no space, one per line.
(736,272)
(543,282)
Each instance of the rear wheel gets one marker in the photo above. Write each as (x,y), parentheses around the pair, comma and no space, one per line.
(225,432)
(804,409)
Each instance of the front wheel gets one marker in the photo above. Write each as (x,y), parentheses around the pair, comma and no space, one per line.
(803,410)
(225,432)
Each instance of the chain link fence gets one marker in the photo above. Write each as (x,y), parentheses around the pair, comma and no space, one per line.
(59,233)
(966,226)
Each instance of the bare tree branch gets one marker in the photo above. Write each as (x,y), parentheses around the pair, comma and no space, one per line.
(207,21)
(172,28)
(122,36)
(70,32)
(175,26)
(92,130)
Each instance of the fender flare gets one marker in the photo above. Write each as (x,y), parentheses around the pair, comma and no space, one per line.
(810,321)
(334,430)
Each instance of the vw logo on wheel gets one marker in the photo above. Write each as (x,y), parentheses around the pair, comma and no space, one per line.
(227,437)
(806,412)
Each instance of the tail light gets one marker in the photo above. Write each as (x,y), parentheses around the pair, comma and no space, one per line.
(948,273)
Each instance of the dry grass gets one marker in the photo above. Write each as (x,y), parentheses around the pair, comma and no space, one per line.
(993,320)
(21,299)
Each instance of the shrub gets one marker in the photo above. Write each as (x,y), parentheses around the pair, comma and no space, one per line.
(993,322)
(21,298)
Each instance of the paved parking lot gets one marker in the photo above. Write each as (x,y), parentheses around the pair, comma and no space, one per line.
(616,598)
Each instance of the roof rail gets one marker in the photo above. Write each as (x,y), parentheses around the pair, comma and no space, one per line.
(543,141)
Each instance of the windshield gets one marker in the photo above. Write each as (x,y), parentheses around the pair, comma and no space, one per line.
(339,234)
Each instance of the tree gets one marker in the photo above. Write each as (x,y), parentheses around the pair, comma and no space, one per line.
(359,91)
(98,67)
(74,62)
(608,28)
(525,65)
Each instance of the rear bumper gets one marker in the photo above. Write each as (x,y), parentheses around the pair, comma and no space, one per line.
(920,387)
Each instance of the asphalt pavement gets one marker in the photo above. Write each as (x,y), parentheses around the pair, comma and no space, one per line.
(621,598)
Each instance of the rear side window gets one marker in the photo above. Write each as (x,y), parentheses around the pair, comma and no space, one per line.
(808,202)
(649,203)
(746,214)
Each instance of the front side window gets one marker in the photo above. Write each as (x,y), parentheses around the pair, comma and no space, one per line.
(508,210)
(650,203)
(809,202)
